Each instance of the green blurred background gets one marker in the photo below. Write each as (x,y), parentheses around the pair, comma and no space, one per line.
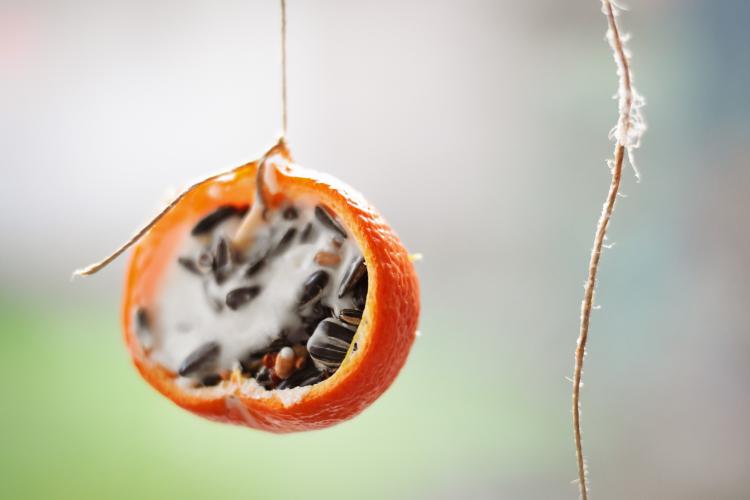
(479,128)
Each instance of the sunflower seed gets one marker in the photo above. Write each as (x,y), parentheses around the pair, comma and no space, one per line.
(306,233)
(143,328)
(210,221)
(279,343)
(328,220)
(241,296)
(350,316)
(199,358)
(221,255)
(298,377)
(360,293)
(263,375)
(284,385)
(313,380)
(290,213)
(221,263)
(253,269)
(142,319)
(211,380)
(330,343)
(284,242)
(354,273)
(313,287)
(321,311)
(314,315)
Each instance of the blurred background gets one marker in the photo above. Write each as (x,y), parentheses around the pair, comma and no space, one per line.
(479,128)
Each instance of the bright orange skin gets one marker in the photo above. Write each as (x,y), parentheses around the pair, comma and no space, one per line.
(383,338)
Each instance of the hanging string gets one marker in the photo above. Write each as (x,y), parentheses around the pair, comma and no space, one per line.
(283,68)
(96,267)
(627,135)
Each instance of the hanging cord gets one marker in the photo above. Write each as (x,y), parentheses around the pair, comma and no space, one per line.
(627,134)
(283,69)
(96,267)
(244,236)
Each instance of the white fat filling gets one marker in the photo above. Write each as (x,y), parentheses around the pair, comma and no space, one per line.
(191,310)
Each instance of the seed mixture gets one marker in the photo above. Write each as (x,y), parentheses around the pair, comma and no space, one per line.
(282,312)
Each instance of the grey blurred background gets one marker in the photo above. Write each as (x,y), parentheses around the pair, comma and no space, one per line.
(479,129)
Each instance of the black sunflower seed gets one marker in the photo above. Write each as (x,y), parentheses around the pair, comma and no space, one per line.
(253,269)
(320,312)
(221,263)
(354,273)
(313,287)
(190,265)
(317,313)
(279,343)
(306,233)
(221,255)
(142,319)
(290,213)
(143,328)
(313,380)
(284,385)
(330,343)
(325,217)
(241,296)
(350,316)
(296,378)
(199,358)
(309,326)
(210,221)
(284,242)
(263,375)
(360,293)
(211,380)
(314,315)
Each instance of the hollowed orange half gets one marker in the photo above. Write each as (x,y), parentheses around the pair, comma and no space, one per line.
(383,338)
